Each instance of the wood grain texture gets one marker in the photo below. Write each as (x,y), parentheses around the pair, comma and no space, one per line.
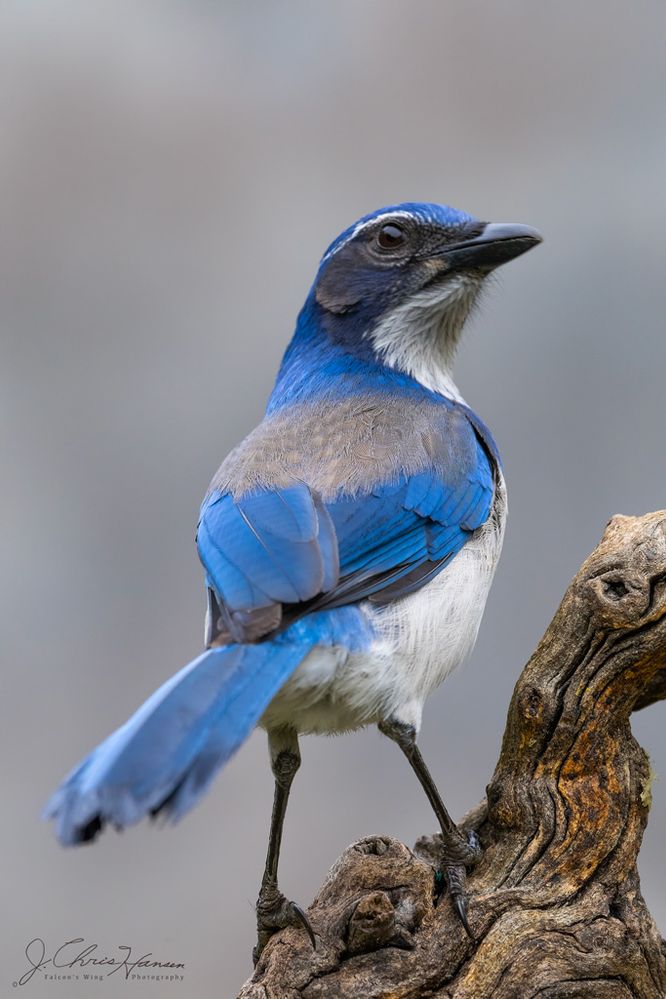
(555,902)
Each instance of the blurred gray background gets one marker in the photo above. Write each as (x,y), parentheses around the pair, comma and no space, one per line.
(169,175)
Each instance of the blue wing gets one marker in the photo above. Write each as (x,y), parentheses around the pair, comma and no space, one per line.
(396,538)
(283,551)
(268,547)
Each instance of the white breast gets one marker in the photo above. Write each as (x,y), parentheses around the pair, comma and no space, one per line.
(420,640)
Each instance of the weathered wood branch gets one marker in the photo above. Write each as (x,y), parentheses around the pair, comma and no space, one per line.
(555,902)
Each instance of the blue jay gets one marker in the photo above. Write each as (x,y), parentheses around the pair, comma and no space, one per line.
(349,543)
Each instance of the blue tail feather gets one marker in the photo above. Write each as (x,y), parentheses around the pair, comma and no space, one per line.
(165,756)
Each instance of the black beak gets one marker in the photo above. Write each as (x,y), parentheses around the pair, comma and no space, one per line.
(497,243)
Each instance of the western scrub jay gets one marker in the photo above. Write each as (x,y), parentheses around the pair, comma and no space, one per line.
(349,543)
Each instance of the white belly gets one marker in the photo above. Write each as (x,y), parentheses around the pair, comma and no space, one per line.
(420,640)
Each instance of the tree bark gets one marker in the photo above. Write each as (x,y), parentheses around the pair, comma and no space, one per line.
(555,902)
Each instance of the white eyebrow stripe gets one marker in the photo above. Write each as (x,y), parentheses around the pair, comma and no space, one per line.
(360,226)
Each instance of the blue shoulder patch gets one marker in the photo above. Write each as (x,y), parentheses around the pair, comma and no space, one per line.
(268,547)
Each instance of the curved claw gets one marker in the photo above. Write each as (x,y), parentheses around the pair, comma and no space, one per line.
(307,925)
(455,876)
(460,903)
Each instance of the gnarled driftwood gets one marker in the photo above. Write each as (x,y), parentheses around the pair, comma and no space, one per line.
(555,902)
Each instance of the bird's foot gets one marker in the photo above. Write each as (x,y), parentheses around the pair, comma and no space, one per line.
(452,866)
(275,912)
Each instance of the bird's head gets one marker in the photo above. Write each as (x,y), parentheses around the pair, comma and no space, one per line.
(398,285)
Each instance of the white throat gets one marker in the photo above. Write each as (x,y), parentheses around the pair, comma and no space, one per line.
(420,337)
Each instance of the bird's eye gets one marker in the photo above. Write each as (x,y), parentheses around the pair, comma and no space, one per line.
(390,236)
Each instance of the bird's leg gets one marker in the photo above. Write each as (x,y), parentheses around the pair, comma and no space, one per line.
(274,911)
(458,852)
